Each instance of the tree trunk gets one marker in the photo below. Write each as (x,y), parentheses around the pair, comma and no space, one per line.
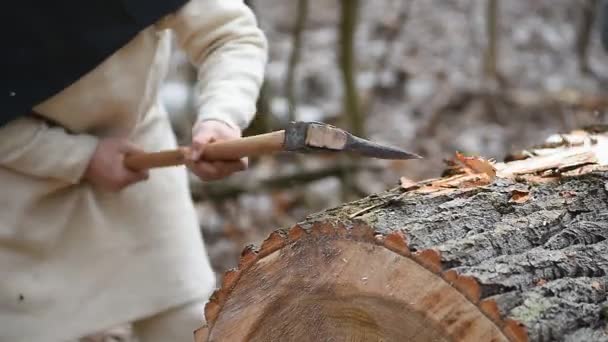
(512,252)
(584,34)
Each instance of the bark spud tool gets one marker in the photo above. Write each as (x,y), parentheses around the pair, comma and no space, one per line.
(299,137)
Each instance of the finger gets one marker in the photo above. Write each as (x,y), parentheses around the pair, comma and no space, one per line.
(198,144)
(143,175)
(132,177)
(204,170)
(128,147)
(211,131)
(227,168)
(204,137)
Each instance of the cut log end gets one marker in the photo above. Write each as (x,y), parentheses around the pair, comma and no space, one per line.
(347,288)
(200,335)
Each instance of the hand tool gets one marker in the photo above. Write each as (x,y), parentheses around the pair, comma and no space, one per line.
(299,137)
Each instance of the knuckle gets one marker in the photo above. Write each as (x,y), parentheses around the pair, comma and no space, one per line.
(205,178)
(209,176)
(114,187)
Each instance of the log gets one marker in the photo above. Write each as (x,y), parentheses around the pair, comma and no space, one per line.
(512,251)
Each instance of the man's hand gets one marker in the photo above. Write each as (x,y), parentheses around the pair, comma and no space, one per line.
(206,132)
(107,170)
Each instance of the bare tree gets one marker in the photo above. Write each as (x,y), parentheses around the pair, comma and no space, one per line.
(491,60)
(348,63)
(583,36)
(294,59)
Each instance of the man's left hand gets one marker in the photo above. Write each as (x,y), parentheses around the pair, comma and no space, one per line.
(210,131)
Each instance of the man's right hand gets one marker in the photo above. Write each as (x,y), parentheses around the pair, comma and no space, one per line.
(106,169)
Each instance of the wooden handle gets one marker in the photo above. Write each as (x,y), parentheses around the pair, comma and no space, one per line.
(227,150)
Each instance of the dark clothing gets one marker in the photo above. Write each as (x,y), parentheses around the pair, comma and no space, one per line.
(51,44)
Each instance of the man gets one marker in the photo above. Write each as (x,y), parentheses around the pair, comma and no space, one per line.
(85,243)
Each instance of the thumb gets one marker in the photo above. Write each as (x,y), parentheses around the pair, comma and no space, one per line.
(198,144)
(128,147)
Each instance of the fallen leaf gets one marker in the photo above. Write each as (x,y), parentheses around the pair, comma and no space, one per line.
(596,285)
(408,184)
(478,165)
(519,196)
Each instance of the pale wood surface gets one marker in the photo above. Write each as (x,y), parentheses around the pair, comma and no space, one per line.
(320,289)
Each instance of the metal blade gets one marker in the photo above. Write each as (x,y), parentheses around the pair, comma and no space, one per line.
(314,137)
(371,149)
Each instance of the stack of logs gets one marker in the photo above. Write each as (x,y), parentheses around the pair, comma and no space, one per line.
(511,251)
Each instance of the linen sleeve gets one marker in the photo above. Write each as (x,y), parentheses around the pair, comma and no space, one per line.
(224,42)
(31,146)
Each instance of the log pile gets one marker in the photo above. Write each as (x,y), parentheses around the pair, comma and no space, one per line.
(512,251)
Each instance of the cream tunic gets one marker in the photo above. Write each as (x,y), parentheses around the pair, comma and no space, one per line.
(74,259)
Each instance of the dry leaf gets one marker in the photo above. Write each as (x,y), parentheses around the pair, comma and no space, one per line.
(408,184)
(519,196)
(596,285)
(478,165)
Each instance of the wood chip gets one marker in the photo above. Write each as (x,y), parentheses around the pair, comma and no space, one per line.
(478,165)
(541,282)
(520,196)
(560,161)
(408,184)
(596,285)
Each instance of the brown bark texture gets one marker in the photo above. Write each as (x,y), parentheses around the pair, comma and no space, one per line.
(524,243)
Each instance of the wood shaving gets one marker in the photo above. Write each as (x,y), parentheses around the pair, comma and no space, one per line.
(478,165)
(408,184)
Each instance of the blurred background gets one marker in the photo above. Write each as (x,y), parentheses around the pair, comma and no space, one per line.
(483,77)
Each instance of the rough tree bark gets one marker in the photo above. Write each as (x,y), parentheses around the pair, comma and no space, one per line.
(511,251)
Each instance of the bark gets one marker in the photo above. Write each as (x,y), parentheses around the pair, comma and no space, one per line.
(526,246)
(545,261)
